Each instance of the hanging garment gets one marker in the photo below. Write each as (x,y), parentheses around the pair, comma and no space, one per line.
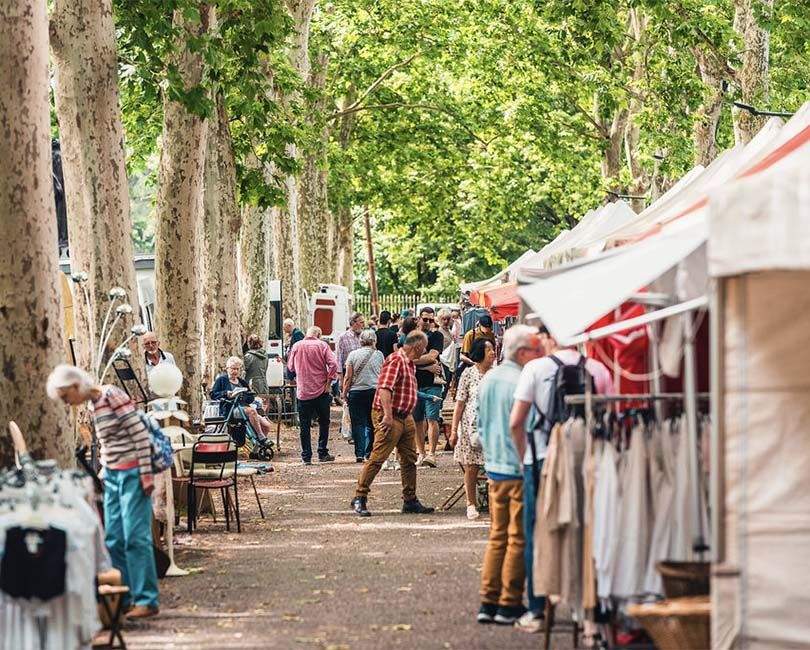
(606,509)
(634,527)
(33,563)
(593,449)
(662,464)
(558,532)
(686,508)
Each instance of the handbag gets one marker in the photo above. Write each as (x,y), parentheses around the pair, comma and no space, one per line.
(162,453)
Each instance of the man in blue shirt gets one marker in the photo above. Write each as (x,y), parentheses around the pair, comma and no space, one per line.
(504,573)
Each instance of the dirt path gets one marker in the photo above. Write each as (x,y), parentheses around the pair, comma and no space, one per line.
(314,575)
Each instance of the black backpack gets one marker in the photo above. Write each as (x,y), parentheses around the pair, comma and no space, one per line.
(570,379)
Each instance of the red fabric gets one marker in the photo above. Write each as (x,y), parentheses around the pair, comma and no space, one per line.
(502,301)
(398,374)
(628,350)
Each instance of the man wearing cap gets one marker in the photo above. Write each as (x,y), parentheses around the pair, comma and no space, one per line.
(483,331)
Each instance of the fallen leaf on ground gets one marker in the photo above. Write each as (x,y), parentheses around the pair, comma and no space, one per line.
(294,618)
(399,627)
(404,589)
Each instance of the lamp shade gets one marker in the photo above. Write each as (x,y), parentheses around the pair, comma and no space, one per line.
(165,380)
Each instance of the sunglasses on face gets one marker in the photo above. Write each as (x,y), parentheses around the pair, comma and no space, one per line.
(428,320)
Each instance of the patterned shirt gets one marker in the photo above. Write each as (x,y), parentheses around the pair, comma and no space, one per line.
(398,375)
(346,343)
(125,442)
(314,365)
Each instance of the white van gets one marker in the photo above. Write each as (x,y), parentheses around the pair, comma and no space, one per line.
(329,308)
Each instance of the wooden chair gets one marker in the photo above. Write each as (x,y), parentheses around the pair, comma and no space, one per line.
(111,598)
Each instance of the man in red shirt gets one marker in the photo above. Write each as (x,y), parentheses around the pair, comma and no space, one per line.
(394,426)
(315,366)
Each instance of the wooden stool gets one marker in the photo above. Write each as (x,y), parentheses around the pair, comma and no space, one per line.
(106,595)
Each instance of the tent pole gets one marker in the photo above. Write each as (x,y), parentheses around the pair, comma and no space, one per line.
(655,366)
(690,409)
(717,431)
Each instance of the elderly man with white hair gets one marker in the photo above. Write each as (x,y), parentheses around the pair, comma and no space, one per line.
(154,355)
(126,454)
(315,367)
(504,570)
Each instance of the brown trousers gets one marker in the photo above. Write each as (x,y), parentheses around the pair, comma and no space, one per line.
(402,436)
(504,568)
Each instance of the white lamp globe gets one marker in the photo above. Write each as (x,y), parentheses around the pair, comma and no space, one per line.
(165,380)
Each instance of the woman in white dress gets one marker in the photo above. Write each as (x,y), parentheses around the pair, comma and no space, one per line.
(464,432)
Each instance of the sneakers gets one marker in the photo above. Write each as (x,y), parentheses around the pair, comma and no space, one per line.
(486,614)
(359,459)
(420,460)
(306,462)
(472,513)
(326,459)
(414,507)
(388,464)
(508,615)
(359,506)
(142,611)
(429,461)
(530,623)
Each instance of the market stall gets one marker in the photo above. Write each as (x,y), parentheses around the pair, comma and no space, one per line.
(759,259)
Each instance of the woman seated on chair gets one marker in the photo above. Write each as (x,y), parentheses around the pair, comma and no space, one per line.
(464,436)
(224,388)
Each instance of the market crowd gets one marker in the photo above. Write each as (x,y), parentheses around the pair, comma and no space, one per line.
(392,377)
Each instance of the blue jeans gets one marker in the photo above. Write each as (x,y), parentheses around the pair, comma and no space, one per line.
(360,403)
(319,406)
(537,604)
(128,523)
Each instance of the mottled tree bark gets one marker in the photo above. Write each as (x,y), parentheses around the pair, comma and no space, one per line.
(179,223)
(344,242)
(221,320)
(632,136)
(704,131)
(92,140)
(255,269)
(314,217)
(30,301)
(754,75)
(344,228)
(287,249)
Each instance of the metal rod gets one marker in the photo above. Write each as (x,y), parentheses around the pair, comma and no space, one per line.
(655,365)
(717,430)
(691,414)
(627,397)
(630,323)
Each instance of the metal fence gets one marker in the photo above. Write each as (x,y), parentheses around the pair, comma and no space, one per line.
(397,302)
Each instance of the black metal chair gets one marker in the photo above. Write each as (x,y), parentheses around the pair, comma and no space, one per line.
(220,452)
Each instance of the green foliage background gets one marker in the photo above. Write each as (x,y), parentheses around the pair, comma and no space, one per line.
(482,142)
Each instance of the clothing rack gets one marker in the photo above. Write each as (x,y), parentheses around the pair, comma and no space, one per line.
(581,399)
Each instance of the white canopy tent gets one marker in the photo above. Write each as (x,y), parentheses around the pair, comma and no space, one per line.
(504,276)
(759,257)
(572,297)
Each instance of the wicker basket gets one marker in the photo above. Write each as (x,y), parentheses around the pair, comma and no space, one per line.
(677,624)
(684,578)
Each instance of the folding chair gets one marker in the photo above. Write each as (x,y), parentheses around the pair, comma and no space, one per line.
(221,452)
(458,493)
(106,595)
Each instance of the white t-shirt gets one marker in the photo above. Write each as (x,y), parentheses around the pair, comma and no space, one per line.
(163,357)
(536,381)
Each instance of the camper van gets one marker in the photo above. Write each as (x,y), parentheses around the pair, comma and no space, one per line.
(329,308)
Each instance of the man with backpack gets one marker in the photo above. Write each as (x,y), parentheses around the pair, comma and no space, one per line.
(542,388)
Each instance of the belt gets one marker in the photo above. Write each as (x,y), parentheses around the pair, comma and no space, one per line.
(399,415)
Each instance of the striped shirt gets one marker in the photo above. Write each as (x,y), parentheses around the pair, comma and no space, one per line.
(125,441)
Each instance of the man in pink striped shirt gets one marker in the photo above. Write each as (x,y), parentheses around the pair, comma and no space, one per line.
(315,367)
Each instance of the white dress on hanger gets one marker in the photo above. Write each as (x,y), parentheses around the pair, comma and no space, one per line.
(634,526)
(606,519)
